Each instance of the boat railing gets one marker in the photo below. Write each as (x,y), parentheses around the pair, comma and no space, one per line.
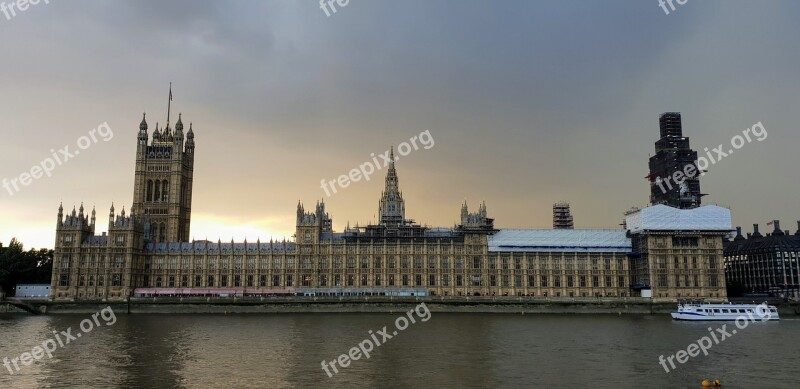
(691,301)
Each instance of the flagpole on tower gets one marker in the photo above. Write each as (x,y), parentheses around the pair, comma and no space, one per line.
(169,103)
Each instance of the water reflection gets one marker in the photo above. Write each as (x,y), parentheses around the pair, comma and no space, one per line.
(448,351)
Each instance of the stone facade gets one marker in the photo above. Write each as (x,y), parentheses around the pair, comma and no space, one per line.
(149,248)
(682,258)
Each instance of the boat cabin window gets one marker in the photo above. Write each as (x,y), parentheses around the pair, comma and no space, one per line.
(749,310)
(716,310)
(725,311)
(741,311)
(773,310)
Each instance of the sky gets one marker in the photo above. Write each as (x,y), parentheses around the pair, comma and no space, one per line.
(528,103)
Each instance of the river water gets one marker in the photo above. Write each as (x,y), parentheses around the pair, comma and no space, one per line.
(448,350)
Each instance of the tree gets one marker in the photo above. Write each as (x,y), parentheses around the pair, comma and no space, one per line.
(18,266)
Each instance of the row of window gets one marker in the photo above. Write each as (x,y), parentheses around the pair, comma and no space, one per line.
(684,242)
(713,281)
(379,263)
(661,262)
(117,263)
(378,280)
(116,280)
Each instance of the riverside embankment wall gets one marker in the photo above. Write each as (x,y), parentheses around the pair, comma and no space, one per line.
(357,305)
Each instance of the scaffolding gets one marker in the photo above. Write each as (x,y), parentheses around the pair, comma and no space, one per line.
(562,217)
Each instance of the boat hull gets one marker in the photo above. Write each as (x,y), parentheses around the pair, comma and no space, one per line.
(691,316)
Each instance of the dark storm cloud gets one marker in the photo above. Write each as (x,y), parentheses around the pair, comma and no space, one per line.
(530,102)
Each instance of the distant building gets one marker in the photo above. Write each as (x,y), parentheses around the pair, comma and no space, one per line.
(674,156)
(764,264)
(678,253)
(33,290)
(562,216)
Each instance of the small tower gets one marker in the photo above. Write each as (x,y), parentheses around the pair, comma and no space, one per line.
(310,225)
(73,229)
(142,138)
(190,140)
(111,216)
(477,221)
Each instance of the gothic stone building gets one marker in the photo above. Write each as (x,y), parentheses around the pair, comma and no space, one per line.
(678,253)
(147,251)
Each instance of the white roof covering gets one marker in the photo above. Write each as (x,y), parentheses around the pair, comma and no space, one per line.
(599,241)
(665,218)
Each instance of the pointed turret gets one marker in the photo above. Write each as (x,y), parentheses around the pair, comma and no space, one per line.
(190,139)
(300,212)
(166,133)
(179,125)
(143,124)
(156,134)
(178,136)
(111,216)
(60,214)
(143,130)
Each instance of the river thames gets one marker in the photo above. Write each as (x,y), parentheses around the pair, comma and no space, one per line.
(447,351)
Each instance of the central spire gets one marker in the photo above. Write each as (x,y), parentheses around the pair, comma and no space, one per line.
(392,184)
(169,103)
(392,206)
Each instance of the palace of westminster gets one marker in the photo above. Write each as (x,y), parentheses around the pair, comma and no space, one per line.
(669,250)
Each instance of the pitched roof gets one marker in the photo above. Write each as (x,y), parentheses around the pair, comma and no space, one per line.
(560,241)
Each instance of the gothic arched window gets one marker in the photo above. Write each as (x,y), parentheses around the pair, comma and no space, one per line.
(162,233)
(165,190)
(149,190)
(157,197)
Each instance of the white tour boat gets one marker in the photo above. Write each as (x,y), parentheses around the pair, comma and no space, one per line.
(698,311)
